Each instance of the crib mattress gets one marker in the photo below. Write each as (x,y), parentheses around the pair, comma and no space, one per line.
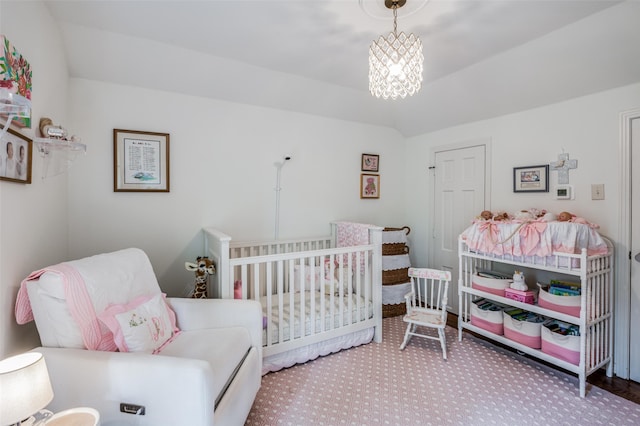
(315,314)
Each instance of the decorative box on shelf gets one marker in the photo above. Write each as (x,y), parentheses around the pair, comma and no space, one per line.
(528,296)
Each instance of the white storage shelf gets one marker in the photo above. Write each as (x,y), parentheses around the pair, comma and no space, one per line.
(596,313)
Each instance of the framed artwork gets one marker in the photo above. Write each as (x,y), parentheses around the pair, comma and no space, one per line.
(140,161)
(16,153)
(370,162)
(369,186)
(531,179)
(15,77)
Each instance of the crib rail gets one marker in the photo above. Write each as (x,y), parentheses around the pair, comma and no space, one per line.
(308,293)
(262,248)
(310,290)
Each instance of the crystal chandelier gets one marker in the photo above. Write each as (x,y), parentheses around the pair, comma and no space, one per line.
(395,61)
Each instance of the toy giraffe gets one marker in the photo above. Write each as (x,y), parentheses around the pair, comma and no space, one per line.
(203,268)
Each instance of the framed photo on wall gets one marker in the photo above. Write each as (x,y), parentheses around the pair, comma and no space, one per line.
(140,161)
(369,186)
(531,179)
(16,153)
(370,162)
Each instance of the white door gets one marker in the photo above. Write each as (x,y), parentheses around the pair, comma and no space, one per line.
(634,315)
(459,196)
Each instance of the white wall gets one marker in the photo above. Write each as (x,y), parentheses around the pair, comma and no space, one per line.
(33,218)
(222,174)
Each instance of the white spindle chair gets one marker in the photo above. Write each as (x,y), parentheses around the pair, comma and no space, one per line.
(427,304)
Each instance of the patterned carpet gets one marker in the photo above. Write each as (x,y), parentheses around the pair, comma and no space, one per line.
(479,384)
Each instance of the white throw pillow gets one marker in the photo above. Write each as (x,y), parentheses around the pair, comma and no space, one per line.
(143,325)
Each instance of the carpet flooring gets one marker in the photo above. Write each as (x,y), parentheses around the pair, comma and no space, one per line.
(479,384)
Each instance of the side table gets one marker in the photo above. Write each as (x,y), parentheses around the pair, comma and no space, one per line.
(80,416)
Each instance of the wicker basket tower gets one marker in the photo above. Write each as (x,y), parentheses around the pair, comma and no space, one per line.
(395,271)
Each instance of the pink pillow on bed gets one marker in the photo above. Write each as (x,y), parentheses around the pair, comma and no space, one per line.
(143,325)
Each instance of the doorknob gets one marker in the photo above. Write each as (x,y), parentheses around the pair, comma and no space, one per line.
(637,257)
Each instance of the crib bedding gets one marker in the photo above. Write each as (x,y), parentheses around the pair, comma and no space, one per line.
(534,239)
(312,351)
(360,310)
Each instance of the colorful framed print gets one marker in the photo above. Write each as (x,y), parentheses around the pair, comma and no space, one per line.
(15,79)
(370,162)
(369,186)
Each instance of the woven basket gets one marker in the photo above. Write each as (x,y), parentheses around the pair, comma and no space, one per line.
(394,310)
(391,249)
(395,276)
(404,228)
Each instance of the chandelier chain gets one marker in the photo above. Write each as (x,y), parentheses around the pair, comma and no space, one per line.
(395,18)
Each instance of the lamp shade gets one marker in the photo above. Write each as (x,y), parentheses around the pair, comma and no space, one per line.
(24,387)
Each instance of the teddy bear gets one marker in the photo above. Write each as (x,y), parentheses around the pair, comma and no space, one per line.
(370,188)
(501,216)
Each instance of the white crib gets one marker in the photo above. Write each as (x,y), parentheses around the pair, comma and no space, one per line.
(316,298)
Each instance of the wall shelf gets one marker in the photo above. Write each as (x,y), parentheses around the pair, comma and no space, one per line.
(47,145)
(58,154)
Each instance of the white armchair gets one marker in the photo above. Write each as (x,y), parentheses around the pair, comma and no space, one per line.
(207,373)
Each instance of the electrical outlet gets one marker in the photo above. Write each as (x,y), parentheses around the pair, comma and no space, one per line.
(137,410)
(597,191)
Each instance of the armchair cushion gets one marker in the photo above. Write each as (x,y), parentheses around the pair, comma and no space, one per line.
(143,325)
(224,349)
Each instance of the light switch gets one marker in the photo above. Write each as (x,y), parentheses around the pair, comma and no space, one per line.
(597,191)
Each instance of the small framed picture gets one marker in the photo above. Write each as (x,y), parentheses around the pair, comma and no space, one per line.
(370,162)
(16,153)
(531,179)
(369,186)
(140,161)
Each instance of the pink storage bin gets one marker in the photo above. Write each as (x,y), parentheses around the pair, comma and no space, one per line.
(488,320)
(524,332)
(566,348)
(490,285)
(569,305)
(520,296)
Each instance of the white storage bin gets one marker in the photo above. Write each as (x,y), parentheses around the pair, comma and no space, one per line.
(562,346)
(489,319)
(490,285)
(569,305)
(523,330)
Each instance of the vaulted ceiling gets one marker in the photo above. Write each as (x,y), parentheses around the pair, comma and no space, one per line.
(483,58)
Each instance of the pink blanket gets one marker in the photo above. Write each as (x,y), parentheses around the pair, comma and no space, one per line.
(79,303)
(535,238)
(349,234)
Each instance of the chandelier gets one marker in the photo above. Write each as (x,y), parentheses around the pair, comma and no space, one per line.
(395,61)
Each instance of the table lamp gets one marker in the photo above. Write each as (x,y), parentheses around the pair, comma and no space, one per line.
(25,388)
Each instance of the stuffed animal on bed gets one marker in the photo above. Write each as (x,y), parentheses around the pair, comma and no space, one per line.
(203,268)
(524,215)
(501,216)
(564,217)
(486,215)
(570,217)
(489,215)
